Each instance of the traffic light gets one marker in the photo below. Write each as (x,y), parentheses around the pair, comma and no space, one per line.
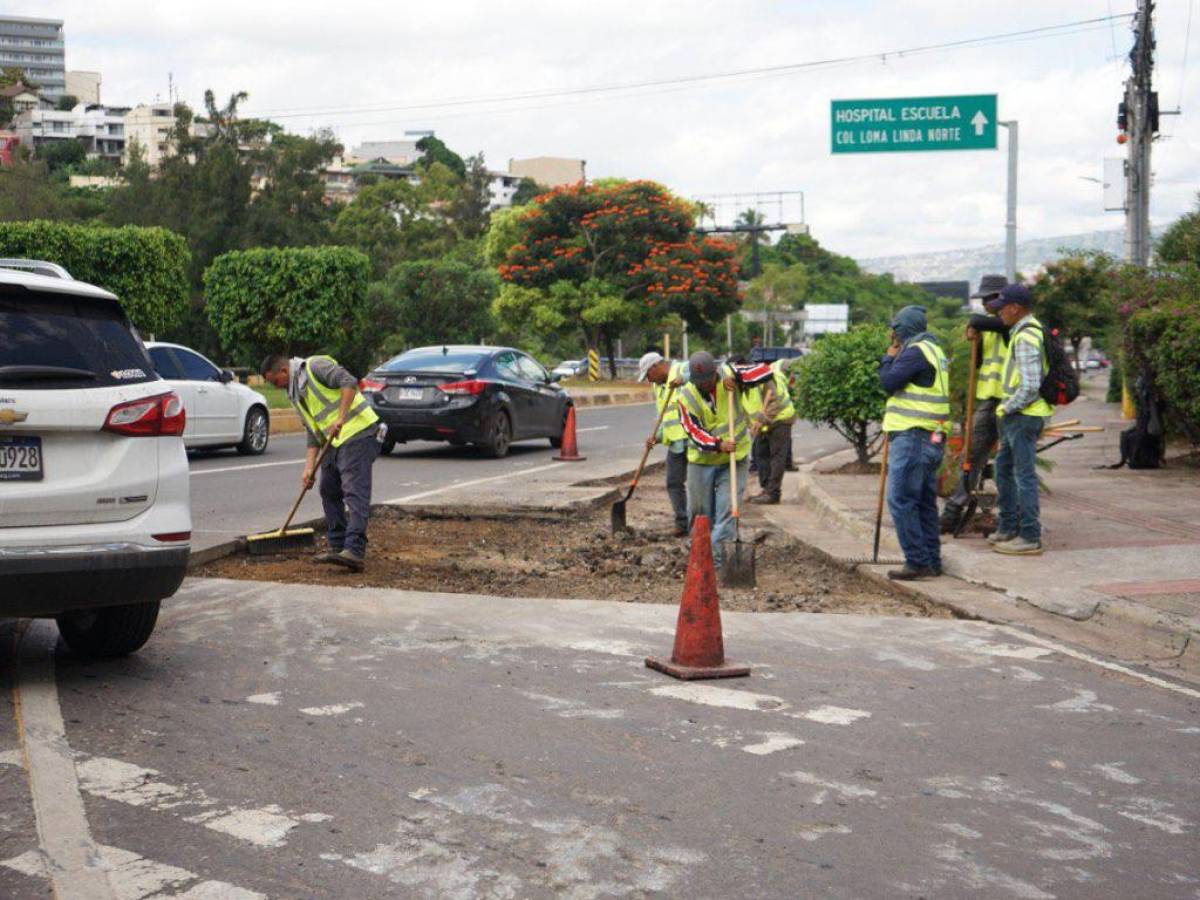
(1122,117)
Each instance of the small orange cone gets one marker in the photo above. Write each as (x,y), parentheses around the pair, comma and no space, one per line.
(699,647)
(570,449)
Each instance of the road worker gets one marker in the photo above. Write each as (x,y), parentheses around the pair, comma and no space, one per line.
(663,375)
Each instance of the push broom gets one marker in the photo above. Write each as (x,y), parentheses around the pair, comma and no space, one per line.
(284,540)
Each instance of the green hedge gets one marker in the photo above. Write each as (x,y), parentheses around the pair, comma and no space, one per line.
(297,300)
(145,267)
(1169,338)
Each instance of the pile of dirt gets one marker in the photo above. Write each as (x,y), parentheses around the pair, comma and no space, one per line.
(579,558)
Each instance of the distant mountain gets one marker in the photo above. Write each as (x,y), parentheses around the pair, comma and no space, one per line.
(971,263)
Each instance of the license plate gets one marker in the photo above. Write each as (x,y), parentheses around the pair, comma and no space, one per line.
(20,459)
(409,393)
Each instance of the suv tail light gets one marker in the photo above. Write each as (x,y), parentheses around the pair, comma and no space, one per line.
(157,416)
(370,386)
(463,388)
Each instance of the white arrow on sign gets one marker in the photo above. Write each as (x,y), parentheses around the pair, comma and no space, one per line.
(979,121)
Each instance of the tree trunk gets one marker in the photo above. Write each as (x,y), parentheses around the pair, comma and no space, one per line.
(861,444)
(1075,344)
(612,357)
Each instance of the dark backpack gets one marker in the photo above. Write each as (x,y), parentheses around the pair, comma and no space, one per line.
(1060,384)
(1140,449)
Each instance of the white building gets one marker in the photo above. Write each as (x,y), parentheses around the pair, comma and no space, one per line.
(502,187)
(400,153)
(102,130)
(84,87)
(149,126)
(39,127)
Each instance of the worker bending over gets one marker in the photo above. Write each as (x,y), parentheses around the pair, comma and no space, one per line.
(663,375)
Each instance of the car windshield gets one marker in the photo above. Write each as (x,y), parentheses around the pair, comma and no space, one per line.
(52,341)
(436,361)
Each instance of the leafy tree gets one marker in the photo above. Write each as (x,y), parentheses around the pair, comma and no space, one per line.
(433,150)
(60,155)
(613,255)
(1071,296)
(145,267)
(26,192)
(290,209)
(67,102)
(527,191)
(777,289)
(1181,242)
(432,301)
(837,384)
(301,300)
(471,209)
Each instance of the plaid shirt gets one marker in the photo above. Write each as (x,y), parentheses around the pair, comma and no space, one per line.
(1028,362)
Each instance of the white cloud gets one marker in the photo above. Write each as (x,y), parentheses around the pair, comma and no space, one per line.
(742,135)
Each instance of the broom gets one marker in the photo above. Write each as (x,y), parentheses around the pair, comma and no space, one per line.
(283,540)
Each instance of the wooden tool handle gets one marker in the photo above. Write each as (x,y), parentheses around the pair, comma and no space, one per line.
(732,459)
(646,453)
(883,465)
(304,490)
(968,422)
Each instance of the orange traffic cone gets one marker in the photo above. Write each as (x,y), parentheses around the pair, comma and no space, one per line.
(570,450)
(699,647)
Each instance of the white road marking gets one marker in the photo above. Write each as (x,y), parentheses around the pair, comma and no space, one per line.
(592,428)
(1013,651)
(707,695)
(134,877)
(335,709)
(271,699)
(266,465)
(571,709)
(773,743)
(847,791)
(1102,663)
(1084,701)
(834,715)
(820,829)
(462,484)
(1114,772)
(1152,812)
(73,859)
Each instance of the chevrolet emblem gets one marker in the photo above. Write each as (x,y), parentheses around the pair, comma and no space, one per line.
(9,416)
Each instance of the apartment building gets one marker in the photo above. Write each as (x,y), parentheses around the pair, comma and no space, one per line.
(84,87)
(37,46)
(149,126)
(550,171)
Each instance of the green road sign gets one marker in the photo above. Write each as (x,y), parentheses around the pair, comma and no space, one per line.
(914,123)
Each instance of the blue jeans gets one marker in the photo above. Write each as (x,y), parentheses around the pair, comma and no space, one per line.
(1016,476)
(708,495)
(913,460)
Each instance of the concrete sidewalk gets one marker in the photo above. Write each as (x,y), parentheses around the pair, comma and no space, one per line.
(1122,547)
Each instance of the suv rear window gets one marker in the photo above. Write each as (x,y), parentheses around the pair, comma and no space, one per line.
(59,341)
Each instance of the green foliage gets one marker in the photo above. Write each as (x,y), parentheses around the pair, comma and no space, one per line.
(61,154)
(298,300)
(432,301)
(1071,295)
(26,192)
(145,267)
(1115,370)
(527,191)
(838,384)
(433,150)
(1181,242)
(67,102)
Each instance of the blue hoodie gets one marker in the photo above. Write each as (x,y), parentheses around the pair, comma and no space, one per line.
(909,366)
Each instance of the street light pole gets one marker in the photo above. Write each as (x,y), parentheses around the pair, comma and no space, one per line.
(1010,222)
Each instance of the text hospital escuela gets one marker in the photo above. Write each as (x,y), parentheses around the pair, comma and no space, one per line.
(899,135)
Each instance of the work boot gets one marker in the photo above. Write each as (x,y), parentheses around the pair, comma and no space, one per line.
(326,556)
(764,498)
(348,560)
(1000,537)
(791,467)
(948,523)
(910,573)
(1018,546)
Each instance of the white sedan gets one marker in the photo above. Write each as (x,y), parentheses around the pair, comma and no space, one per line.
(220,412)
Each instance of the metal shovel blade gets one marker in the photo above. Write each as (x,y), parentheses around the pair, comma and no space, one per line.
(616,517)
(737,570)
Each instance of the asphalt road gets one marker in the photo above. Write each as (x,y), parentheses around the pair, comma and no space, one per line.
(234,495)
(304,742)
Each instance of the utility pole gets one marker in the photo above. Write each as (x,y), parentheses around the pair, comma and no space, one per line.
(1137,117)
(1010,220)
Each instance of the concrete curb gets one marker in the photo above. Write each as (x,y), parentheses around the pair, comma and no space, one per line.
(1177,637)
(287,421)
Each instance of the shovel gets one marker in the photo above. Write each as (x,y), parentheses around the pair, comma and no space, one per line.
(969,426)
(738,567)
(616,515)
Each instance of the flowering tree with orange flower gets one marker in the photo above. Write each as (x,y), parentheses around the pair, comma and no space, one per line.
(610,256)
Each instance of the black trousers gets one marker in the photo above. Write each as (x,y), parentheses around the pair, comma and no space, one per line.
(772,448)
(346,492)
(984,434)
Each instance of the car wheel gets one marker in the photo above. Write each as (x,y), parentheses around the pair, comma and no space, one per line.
(386,448)
(256,433)
(499,437)
(556,442)
(109,631)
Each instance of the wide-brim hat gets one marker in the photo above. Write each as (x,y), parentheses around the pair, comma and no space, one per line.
(989,286)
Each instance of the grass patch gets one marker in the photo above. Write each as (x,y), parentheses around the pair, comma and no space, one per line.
(276,397)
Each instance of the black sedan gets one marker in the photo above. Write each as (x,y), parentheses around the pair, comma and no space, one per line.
(486,396)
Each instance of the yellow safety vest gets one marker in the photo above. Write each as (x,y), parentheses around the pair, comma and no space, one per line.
(754,399)
(989,377)
(914,406)
(672,430)
(319,405)
(1029,333)
(715,420)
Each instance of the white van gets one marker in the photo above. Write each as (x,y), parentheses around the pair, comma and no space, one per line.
(95,516)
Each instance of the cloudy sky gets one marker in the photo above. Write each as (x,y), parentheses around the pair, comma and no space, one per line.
(361,67)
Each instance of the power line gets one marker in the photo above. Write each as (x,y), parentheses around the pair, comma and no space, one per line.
(691,80)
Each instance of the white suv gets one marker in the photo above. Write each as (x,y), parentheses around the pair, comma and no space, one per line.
(95,517)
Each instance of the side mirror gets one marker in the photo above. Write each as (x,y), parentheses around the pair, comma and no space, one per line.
(227,376)
(554,377)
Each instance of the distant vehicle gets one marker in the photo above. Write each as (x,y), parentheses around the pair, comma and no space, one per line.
(771,354)
(486,396)
(95,516)
(578,368)
(1094,362)
(570,368)
(220,412)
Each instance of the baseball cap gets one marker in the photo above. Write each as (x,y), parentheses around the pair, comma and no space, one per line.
(646,363)
(702,368)
(1011,293)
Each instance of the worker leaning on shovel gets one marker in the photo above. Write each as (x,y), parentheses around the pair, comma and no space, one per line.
(327,398)
(663,375)
(704,414)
